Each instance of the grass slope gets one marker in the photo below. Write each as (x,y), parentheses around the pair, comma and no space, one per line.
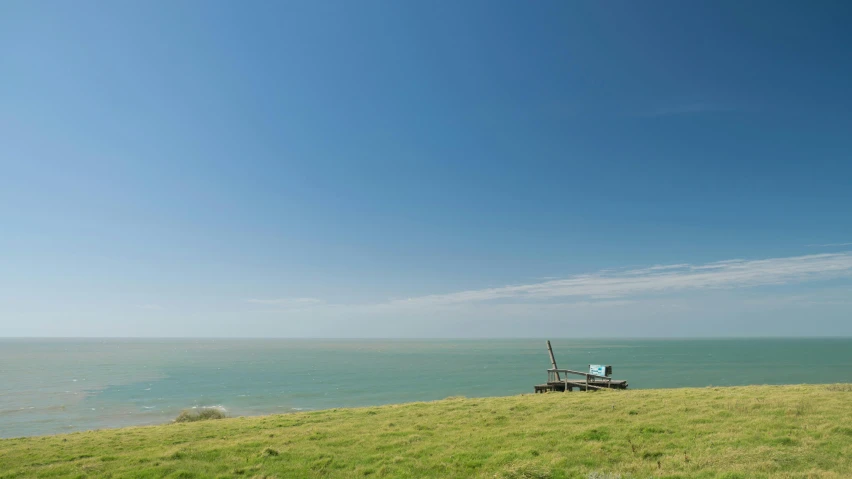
(741,432)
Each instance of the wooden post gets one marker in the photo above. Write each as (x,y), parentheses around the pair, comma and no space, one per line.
(552,359)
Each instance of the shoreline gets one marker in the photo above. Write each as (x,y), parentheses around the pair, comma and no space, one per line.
(847,387)
(740,431)
(123,384)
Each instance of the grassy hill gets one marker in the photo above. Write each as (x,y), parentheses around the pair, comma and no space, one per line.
(741,432)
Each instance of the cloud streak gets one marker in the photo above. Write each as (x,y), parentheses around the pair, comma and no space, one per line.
(287,301)
(660,279)
(687,109)
(830,244)
(594,291)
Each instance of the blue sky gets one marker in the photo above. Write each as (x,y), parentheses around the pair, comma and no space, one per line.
(430,169)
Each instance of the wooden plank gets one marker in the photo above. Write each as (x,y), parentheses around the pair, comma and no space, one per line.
(615,384)
(567,386)
(595,385)
(552,359)
(578,373)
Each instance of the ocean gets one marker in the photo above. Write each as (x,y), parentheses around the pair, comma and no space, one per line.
(50,386)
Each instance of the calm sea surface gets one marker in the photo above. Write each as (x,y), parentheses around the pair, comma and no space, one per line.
(54,386)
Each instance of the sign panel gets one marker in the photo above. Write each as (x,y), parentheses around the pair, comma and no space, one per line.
(597,369)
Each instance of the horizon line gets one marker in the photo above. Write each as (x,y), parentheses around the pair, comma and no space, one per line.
(402,338)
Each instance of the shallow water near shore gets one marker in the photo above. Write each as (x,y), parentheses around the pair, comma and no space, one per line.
(51,386)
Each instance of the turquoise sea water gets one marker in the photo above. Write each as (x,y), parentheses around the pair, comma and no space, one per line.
(54,386)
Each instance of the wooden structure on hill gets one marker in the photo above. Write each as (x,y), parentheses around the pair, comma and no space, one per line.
(562,380)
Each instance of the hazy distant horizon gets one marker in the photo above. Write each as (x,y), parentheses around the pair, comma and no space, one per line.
(411,338)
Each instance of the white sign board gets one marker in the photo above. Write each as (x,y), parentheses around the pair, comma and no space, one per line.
(597,369)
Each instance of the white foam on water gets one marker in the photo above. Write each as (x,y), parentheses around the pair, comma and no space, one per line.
(217,406)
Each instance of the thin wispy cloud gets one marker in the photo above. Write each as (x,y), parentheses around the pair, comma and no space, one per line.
(287,301)
(826,245)
(658,279)
(605,288)
(687,109)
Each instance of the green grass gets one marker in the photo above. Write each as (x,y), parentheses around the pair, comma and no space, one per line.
(741,432)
